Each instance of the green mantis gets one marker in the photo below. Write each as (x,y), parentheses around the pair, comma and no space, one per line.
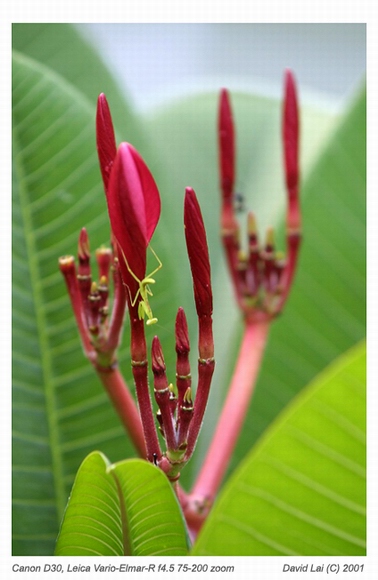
(144,291)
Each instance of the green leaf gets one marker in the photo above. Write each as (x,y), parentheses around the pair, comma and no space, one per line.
(62,49)
(302,490)
(92,523)
(124,509)
(154,518)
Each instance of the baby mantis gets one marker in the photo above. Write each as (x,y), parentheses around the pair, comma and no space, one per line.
(144,308)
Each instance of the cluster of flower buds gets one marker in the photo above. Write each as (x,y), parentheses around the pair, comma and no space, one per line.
(133,202)
(179,417)
(100,334)
(261,276)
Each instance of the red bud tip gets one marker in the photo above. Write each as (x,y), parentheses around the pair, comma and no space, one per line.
(181,332)
(84,269)
(291,132)
(158,364)
(67,265)
(106,144)
(251,225)
(83,245)
(226,145)
(269,239)
(104,258)
(188,397)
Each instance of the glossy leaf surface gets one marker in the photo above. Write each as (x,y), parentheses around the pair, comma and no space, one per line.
(156,525)
(92,524)
(126,509)
(302,490)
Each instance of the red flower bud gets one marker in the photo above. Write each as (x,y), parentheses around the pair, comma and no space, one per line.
(83,254)
(132,196)
(181,333)
(198,253)
(290,136)
(134,210)
(226,145)
(290,131)
(158,363)
(106,145)
(261,280)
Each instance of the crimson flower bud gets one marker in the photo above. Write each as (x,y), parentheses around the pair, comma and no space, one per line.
(181,333)
(290,131)
(83,254)
(226,145)
(198,253)
(106,144)
(290,137)
(134,210)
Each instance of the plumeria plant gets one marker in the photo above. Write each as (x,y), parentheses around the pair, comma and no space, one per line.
(219,406)
(261,277)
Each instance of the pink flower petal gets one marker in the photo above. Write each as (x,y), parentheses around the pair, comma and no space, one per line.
(150,193)
(127,215)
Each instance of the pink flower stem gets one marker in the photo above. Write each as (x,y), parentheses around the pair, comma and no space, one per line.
(233,413)
(125,406)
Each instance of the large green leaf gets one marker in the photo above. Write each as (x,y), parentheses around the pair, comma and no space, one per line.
(62,49)
(92,523)
(124,509)
(302,490)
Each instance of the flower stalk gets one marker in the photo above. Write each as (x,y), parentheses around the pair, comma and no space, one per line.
(200,266)
(233,414)
(180,416)
(262,279)
(134,209)
(100,341)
